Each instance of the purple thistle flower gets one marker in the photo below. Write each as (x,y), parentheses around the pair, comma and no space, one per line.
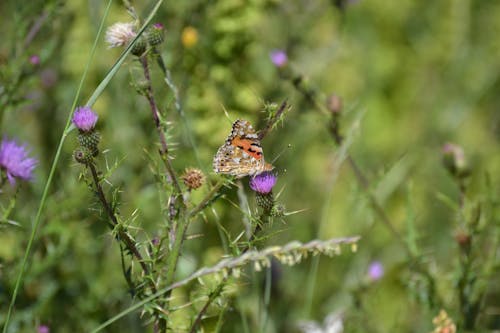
(375,271)
(263,182)
(278,58)
(84,118)
(15,162)
(158,26)
(43,329)
(35,60)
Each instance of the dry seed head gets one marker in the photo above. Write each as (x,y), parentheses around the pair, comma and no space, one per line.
(193,178)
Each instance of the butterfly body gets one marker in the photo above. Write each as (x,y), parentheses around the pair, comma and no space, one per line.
(241,155)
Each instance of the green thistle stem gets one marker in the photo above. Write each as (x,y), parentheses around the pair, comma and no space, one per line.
(122,235)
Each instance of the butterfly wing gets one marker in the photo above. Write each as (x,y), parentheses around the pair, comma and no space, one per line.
(241,155)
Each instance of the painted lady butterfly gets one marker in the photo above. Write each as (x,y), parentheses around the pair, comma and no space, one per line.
(241,155)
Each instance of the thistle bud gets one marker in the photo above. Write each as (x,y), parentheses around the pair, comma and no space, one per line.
(454,160)
(90,140)
(334,104)
(155,34)
(139,47)
(83,155)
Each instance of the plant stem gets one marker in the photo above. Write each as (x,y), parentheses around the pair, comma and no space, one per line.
(48,183)
(213,295)
(156,118)
(262,133)
(122,235)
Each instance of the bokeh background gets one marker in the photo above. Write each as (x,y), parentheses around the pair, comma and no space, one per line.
(412,76)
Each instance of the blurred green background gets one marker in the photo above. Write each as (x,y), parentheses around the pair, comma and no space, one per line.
(412,75)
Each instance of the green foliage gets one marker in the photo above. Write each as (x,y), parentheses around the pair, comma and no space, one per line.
(124,225)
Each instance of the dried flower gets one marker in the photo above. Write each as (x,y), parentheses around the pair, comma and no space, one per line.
(189,37)
(443,323)
(84,118)
(120,34)
(15,162)
(263,183)
(454,160)
(193,178)
(278,58)
(375,271)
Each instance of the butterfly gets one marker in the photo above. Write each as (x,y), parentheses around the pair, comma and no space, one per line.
(241,155)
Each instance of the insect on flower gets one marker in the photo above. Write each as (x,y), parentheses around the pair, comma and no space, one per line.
(241,155)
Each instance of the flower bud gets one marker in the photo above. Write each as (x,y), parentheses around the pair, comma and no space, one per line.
(334,104)
(90,141)
(454,160)
(139,47)
(155,34)
(83,155)
(265,201)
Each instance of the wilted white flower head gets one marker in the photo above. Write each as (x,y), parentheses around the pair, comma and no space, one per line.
(120,34)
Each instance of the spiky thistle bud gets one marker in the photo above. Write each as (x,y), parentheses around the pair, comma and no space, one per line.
(278,210)
(155,34)
(83,155)
(193,178)
(90,140)
(139,47)
(265,201)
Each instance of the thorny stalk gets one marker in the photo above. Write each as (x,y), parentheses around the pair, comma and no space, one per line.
(164,152)
(262,133)
(122,235)
(214,294)
(263,221)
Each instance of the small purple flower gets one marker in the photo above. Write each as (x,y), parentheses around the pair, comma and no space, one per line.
(35,60)
(375,271)
(263,182)
(84,118)
(158,26)
(279,58)
(43,329)
(15,162)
